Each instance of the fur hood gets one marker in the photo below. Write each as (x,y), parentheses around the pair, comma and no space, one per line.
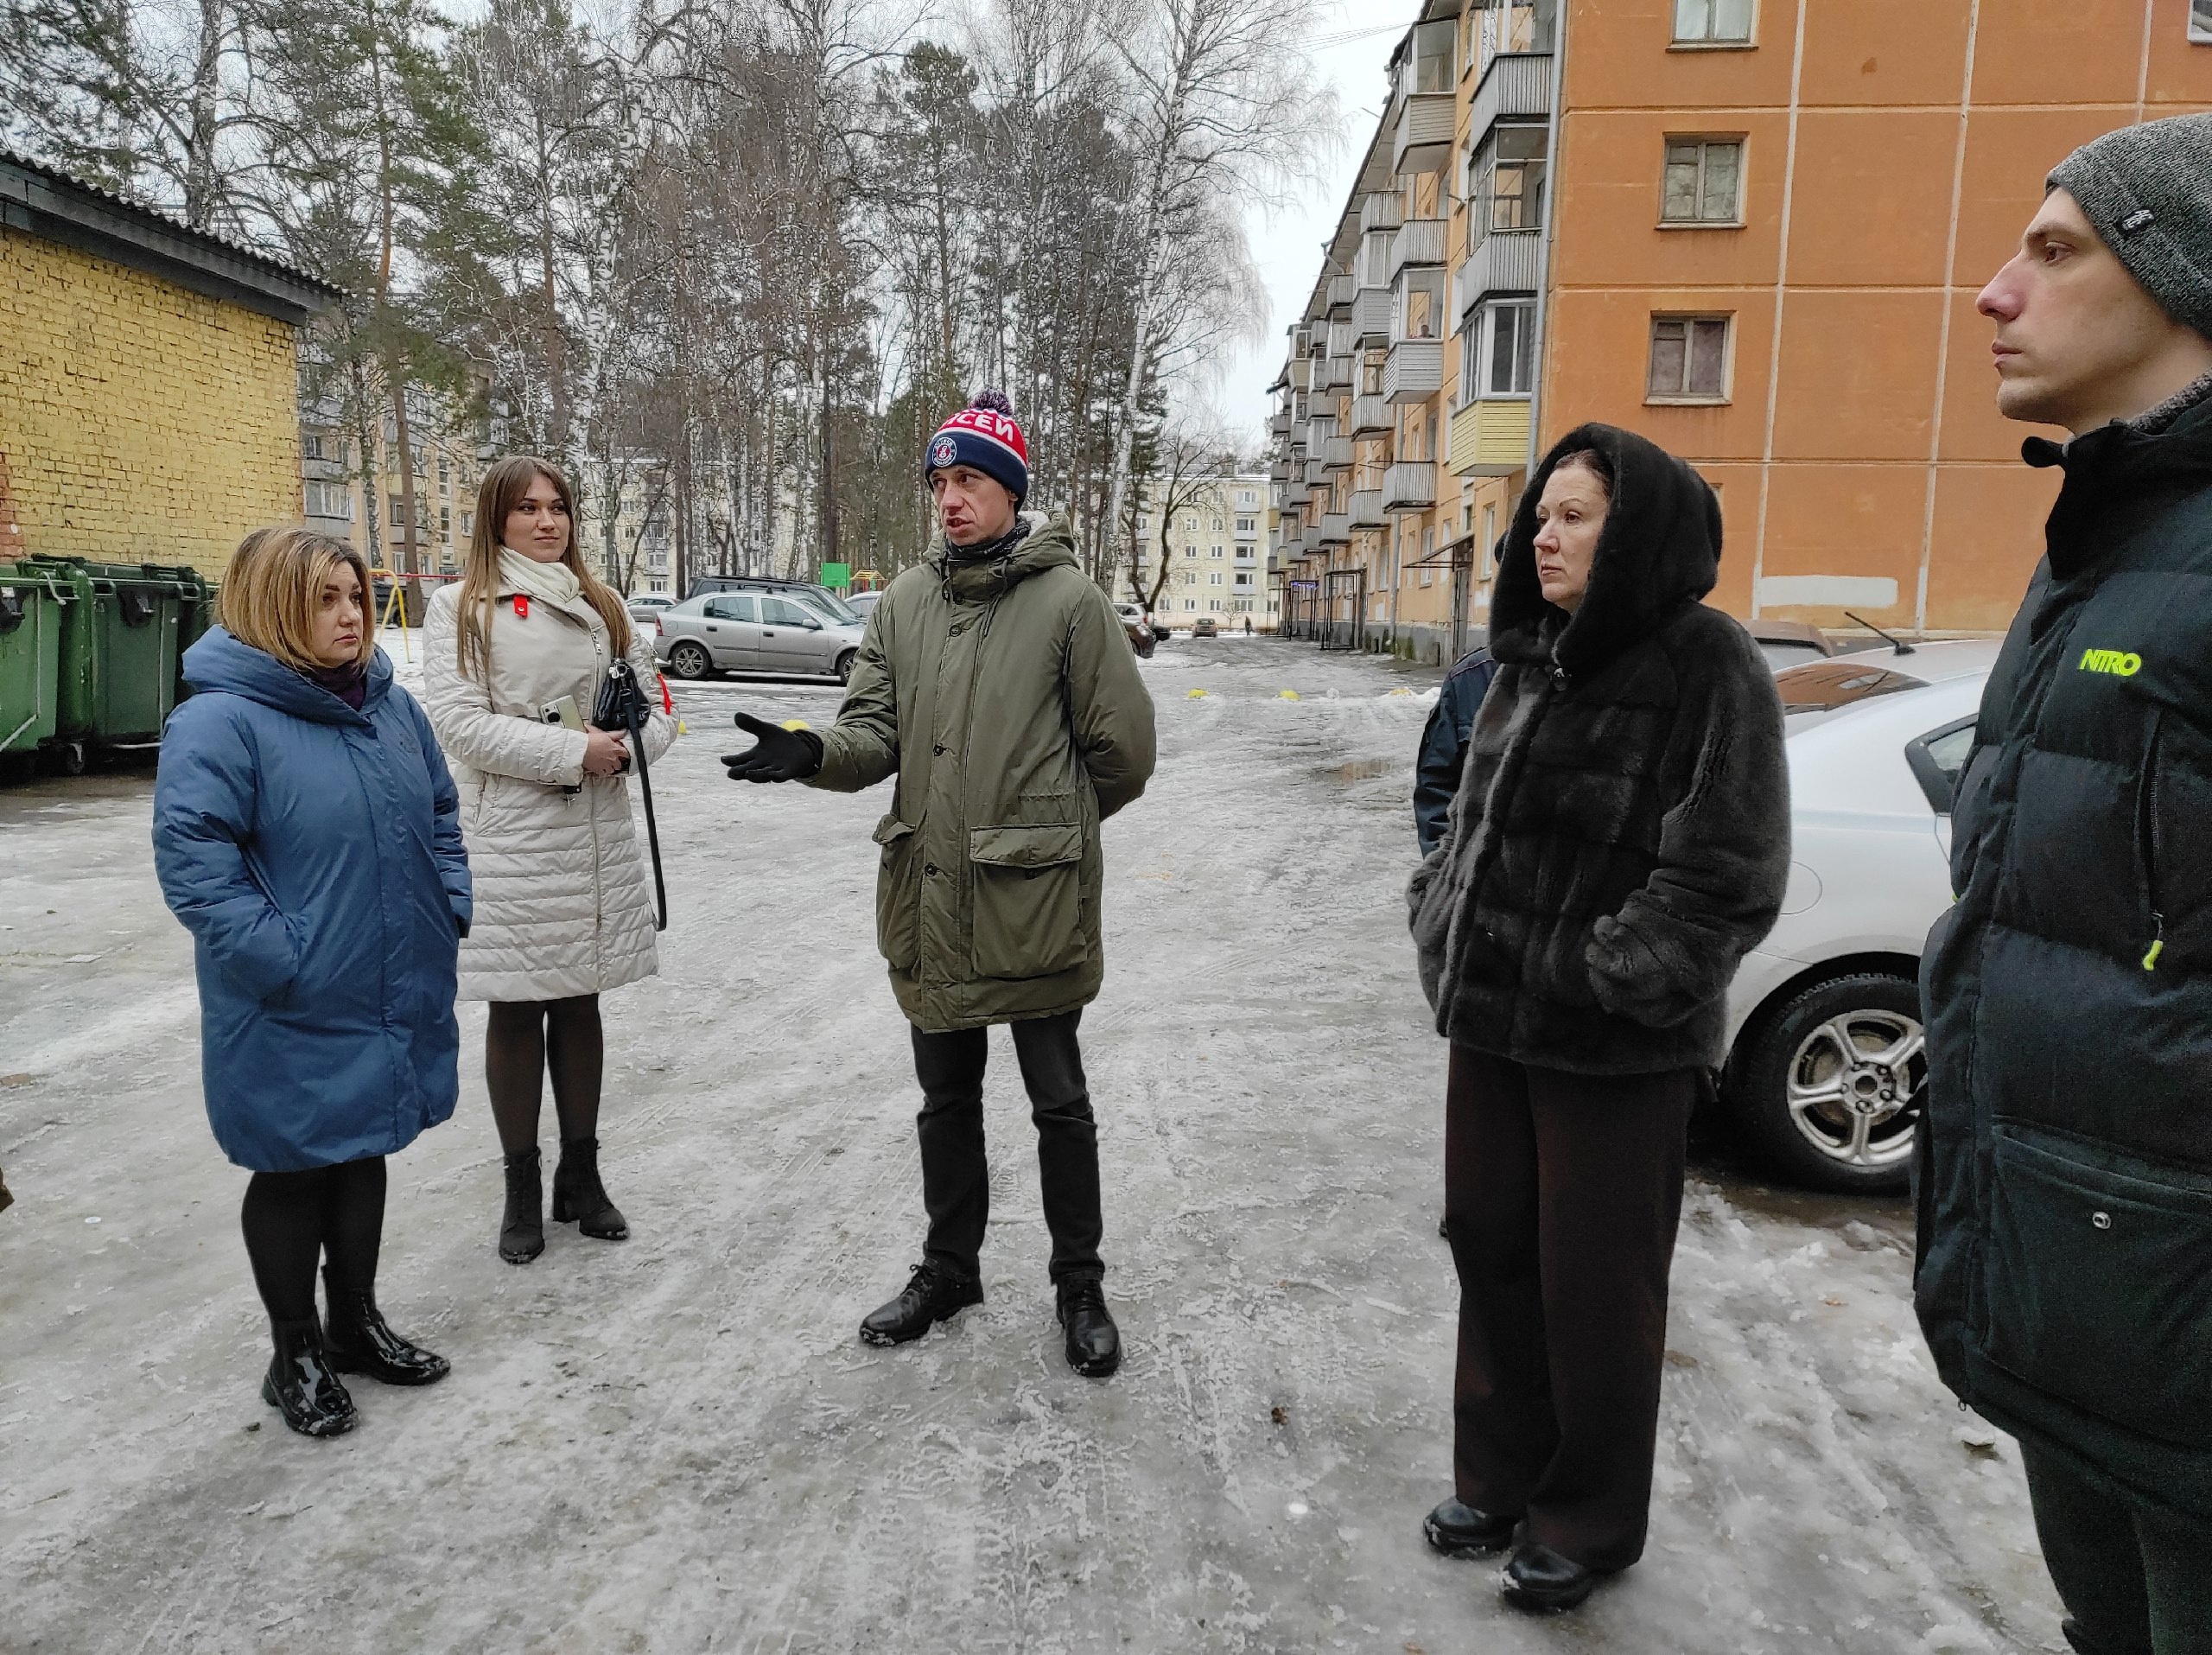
(1659,550)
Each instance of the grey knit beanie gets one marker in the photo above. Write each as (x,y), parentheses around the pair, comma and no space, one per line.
(2147,192)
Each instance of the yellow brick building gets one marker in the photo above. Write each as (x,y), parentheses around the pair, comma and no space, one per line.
(147,379)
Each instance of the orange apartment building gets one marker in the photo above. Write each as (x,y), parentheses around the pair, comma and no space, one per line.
(1752,230)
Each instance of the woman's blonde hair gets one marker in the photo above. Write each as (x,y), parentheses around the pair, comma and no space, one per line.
(272,592)
(500,492)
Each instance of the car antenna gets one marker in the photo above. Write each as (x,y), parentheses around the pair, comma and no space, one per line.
(1896,644)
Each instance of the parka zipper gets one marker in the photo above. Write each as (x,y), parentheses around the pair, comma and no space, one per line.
(2146,838)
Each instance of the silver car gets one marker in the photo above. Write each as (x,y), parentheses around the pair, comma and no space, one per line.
(752,632)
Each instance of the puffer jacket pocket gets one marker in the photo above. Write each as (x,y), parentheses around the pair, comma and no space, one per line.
(1028,899)
(2099,1286)
(898,899)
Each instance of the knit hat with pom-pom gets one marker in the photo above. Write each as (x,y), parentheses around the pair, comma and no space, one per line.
(984,436)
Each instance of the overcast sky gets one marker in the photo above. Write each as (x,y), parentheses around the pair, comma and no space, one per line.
(1287,245)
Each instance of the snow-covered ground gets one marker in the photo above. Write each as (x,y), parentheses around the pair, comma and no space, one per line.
(677,1443)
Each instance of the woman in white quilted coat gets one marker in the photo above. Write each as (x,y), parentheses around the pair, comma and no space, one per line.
(563,907)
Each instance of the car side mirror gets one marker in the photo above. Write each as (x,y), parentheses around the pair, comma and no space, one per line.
(813,624)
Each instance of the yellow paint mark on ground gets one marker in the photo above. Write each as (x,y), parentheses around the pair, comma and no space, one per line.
(1400,690)
(1196,695)
(797,724)
(1285,695)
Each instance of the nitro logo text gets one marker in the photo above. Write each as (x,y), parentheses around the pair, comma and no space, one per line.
(2119,663)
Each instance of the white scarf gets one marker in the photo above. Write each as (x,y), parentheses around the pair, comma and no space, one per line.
(555,583)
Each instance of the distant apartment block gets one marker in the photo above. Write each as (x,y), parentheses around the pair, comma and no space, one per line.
(1752,230)
(1216,560)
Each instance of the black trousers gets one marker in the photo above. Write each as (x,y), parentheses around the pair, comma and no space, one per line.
(292,1219)
(1562,1192)
(956,1177)
(2135,1580)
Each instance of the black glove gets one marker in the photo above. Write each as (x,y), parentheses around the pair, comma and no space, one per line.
(780,755)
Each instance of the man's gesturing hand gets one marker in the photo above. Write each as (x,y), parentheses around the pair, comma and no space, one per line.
(779,754)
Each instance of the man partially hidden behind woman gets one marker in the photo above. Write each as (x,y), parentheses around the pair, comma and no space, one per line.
(1619,840)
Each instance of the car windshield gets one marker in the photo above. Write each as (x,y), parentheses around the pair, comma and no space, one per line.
(829,603)
(1825,687)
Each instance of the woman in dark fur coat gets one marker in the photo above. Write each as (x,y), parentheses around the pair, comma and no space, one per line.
(1619,840)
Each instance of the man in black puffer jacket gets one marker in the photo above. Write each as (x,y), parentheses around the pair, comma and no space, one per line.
(1619,839)
(2064,1183)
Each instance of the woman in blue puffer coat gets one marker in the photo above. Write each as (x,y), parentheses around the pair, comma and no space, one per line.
(307,834)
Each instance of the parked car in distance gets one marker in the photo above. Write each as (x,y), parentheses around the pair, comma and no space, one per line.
(824,602)
(1205,627)
(1790,643)
(1826,1065)
(643,606)
(862,603)
(753,631)
(1140,634)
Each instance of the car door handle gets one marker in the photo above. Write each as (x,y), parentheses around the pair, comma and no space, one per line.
(768,633)
(713,629)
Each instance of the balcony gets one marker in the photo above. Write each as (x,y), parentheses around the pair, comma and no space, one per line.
(1367,509)
(1279,424)
(1340,294)
(1370,314)
(1420,242)
(1409,486)
(1336,454)
(1383,210)
(1423,142)
(1371,416)
(1300,372)
(1338,373)
(1517,84)
(1334,529)
(1415,369)
(1295,494)
(1317,475)
(1280,472)
(1343,336)
(1320,429)
(1488,439)
(1504,261)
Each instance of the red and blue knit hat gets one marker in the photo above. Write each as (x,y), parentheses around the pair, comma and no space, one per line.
(984,436)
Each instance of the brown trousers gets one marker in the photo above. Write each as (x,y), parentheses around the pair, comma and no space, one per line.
(1562,1192)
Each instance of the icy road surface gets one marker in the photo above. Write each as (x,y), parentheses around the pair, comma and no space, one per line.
(677,1444)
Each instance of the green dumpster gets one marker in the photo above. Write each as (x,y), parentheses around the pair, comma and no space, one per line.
(122,634)
(30,655)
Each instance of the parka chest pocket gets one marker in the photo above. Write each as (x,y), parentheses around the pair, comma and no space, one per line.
(1028,918)
(898,895)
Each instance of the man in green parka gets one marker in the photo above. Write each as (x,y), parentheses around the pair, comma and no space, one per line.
(997,684)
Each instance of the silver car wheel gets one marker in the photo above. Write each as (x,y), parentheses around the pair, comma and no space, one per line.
(690,660)
(1850,1081)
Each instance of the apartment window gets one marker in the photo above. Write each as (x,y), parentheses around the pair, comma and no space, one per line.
(1190,604)
(310,446)
(1712,22)
(1246,497)
(1703,181)
(445,521)
(1512,188)
(1216,525)
(1497,350)
(1216,551)
(2200,21)
(1244,580)
(1689,359)
(1214,579)
(469,522)
(329,500)
(1247,525)
(1189,552)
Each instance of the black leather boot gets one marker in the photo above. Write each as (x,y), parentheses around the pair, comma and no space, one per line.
(1541,1579)
(932,1293)
(522,1226)
(1094,1343)
(1461,1530)
(300,1385)
(360,1341)
(579,1195)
